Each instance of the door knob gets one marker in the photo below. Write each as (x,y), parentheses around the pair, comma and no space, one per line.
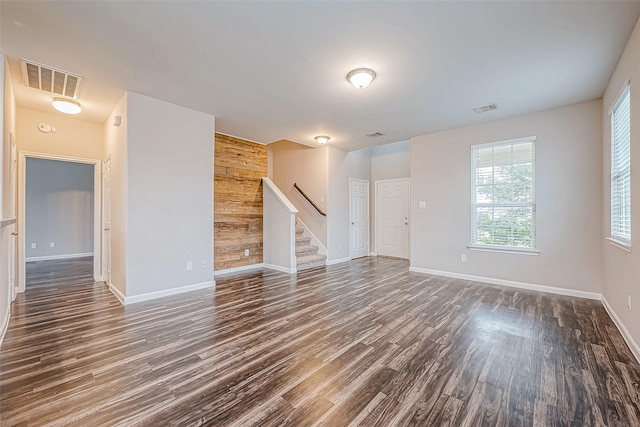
(353,223)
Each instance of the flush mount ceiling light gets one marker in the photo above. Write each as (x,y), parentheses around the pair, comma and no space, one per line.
(65,105)
(322,139)
(361,77)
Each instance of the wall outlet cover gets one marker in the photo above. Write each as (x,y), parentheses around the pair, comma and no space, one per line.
(189,265)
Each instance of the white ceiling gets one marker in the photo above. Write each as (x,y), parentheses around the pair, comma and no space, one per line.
(276,70)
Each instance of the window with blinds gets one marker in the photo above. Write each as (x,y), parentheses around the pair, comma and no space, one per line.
(503,209)
(621,168)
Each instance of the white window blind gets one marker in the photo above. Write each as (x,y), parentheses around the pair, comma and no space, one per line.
(621,168)
(503,208)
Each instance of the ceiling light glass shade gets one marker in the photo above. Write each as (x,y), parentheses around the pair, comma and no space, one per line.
(361,77)
(322,139)
(67,106)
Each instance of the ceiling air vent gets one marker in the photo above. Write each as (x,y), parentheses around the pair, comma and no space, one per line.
(50,79)
(375,134)
(485,108)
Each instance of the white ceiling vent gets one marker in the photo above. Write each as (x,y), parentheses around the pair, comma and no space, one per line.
(375,134)
(50,79)
(485,108)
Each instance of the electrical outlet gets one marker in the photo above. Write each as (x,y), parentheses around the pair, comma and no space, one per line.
(52,244)
(189,265)
(246,252)
(629,302)
(34,245)
(339,246)
(203,264)
(463,258)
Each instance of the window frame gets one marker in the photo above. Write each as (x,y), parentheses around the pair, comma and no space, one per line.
(615,237)
(474,245)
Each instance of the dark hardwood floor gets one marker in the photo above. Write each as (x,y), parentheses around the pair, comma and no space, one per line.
(360,343)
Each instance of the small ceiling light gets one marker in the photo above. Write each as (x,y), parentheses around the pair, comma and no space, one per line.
(322,139)
(67,106)
(361,77)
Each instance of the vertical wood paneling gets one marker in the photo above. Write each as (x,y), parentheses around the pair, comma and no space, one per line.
(237,202)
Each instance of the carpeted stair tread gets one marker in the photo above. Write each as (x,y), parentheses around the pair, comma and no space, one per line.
(304,250)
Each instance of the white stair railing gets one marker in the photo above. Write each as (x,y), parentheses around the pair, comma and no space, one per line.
(279,229)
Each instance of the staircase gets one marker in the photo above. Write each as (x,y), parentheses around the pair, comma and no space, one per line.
(307,255)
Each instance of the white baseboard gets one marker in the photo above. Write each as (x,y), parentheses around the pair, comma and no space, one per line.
(338,261)
(238,269)
(280,269)
(125,300)
(635,349)
(51,257)
(5,323)
(511,284)
(115,291)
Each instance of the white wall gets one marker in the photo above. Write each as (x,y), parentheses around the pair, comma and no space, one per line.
(169,195)
(622,269)
(342,166)
(390,161)
(74,137)
(59,208)
(279,228)
(568,197)
(3,88)
(295,163)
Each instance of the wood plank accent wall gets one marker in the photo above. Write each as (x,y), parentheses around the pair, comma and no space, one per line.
(239,166)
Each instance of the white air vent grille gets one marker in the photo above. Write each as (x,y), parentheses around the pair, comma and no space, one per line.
(50,79)
(485,108)
(375,134)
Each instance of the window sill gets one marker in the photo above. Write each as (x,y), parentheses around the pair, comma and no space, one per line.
(497,249)
(625,246)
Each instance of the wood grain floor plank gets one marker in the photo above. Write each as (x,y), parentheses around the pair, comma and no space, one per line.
(361,343)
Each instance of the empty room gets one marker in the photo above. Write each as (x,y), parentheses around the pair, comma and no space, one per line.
(375,213)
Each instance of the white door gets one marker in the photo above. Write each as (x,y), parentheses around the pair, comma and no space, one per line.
(392,218)
(106,220)
(359,207)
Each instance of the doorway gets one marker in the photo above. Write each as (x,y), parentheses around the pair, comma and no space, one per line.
(392,218)
(106,220)
(359,217)
(58,213)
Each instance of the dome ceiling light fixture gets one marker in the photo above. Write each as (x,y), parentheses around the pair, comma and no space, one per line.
(322,139)
(361,77)
(66,106)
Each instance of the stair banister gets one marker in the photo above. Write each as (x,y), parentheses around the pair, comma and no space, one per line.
(295,185)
